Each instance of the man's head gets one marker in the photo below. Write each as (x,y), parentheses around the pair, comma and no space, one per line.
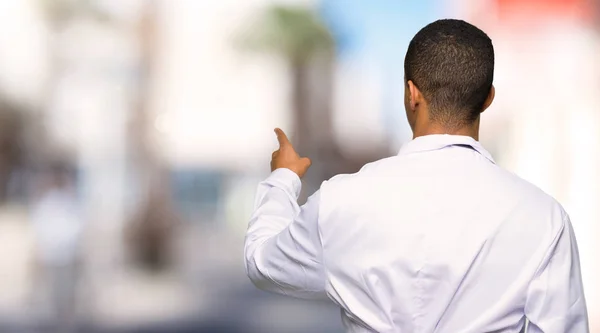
(449,69)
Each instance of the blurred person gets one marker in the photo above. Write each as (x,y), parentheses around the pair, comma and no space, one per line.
(438,238)
(57,227)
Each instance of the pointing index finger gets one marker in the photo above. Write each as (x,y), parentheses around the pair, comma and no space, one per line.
(282,138)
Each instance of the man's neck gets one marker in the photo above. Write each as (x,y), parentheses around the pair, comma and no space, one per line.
(431,129)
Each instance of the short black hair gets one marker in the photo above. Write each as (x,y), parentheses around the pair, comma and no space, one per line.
(452,64)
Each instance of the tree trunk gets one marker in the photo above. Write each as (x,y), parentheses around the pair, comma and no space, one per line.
(313,136)
(151,230)
(300,118)
(300,107)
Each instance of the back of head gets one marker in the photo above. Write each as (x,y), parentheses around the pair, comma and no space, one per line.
(452,63)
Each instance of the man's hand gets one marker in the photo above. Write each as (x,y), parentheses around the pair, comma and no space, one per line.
(286,156)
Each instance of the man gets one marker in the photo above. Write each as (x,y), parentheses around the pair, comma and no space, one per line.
(57,225)
(436,239)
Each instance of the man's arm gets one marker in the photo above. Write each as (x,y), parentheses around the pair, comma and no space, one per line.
(283,251)
(555,300)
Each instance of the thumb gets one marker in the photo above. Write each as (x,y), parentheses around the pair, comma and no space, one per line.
(306,161)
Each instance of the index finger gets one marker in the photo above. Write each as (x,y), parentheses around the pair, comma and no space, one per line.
(282,138)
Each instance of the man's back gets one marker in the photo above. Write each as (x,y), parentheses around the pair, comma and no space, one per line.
(440,239)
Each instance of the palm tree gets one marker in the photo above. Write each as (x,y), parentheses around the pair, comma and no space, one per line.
(303,41)
(150,232)
(298,36)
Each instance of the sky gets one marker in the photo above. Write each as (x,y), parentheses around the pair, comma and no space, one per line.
(375,35)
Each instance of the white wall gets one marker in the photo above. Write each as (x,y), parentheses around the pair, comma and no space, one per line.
(23,50)
(215,105)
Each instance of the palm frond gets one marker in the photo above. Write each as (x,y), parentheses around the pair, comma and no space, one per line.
(294,32)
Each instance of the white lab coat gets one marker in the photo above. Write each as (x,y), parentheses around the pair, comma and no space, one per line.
(436,239)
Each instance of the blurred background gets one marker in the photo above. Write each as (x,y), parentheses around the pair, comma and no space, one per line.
(133,134)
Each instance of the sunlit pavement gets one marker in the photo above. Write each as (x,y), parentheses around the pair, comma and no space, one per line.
(209,294)
(248,312)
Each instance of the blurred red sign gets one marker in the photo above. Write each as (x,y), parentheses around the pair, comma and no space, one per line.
(542,9)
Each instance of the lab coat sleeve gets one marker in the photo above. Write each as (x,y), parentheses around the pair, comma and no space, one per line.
(555,300)
(283,250)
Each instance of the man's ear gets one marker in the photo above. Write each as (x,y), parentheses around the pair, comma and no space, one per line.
(489,99)
(415,96)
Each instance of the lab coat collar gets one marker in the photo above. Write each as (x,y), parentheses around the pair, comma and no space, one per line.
(440,141)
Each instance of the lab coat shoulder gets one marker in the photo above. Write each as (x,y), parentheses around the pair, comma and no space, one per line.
(368,170)
(537,200)
(542,217)
(342,185)
(348,190)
